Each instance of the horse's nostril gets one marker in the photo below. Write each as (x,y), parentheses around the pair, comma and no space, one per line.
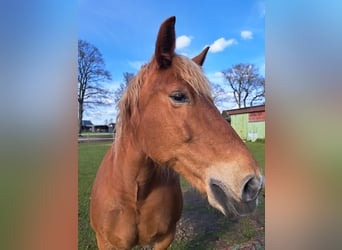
(251,189)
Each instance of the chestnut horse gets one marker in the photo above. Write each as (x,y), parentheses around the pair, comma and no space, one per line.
(168,125)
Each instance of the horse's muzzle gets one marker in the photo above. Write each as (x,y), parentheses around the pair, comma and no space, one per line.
(221,197)
(251,188)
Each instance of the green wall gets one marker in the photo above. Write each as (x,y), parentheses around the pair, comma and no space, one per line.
(239,123)
(249,131)
(255,130)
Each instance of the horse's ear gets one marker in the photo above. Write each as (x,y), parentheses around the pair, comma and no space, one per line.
(166,43)
(201,57)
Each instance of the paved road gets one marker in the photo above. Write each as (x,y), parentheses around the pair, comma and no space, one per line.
(93,139)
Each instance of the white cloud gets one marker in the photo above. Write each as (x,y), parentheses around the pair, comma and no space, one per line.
(183,41)
(246,34)
(220,44)
(261,8)
(136,64)
(216,77)
(101,114)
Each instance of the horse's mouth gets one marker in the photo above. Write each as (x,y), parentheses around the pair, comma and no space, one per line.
(221,198)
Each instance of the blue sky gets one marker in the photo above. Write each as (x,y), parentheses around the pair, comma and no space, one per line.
(125,33)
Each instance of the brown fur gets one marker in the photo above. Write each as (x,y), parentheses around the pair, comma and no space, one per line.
(136,197)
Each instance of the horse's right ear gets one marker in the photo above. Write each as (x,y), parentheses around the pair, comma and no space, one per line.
(166,43)
(201,57)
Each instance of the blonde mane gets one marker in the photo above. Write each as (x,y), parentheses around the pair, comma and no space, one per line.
(183,68)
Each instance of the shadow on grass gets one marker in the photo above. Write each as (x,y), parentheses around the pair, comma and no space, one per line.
(203,227)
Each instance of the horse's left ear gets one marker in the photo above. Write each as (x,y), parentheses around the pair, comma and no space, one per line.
(201,57)
(166,43)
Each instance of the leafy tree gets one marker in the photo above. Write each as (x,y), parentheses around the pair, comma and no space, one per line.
(91,76)
(118,93)
(247,85)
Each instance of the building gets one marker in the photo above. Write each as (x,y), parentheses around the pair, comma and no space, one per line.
(248,122)
(100,128)
(111,128)
(87,126)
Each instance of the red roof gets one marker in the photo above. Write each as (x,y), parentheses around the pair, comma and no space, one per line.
(260,108)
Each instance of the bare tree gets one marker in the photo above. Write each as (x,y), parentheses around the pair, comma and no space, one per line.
(247,85)
(259,90)
(91,76)
(119,91)
(218,93)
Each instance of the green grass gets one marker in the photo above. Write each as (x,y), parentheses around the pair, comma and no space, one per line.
(89,158)
(246,228)
(258,151)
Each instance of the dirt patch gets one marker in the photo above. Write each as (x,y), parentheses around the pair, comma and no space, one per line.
(203,227)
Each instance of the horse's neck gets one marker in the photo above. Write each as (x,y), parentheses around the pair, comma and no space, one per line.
(134,168)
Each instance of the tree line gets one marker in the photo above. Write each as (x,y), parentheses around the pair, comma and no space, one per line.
(243,80)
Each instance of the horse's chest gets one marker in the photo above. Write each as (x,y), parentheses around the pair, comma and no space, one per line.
(158,217)
(152,226)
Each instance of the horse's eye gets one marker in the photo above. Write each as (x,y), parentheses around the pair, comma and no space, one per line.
(179,97)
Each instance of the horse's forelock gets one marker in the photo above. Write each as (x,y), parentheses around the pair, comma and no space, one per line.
(193,74)
(183,68)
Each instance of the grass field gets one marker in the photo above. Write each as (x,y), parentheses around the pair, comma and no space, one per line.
(191,234)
